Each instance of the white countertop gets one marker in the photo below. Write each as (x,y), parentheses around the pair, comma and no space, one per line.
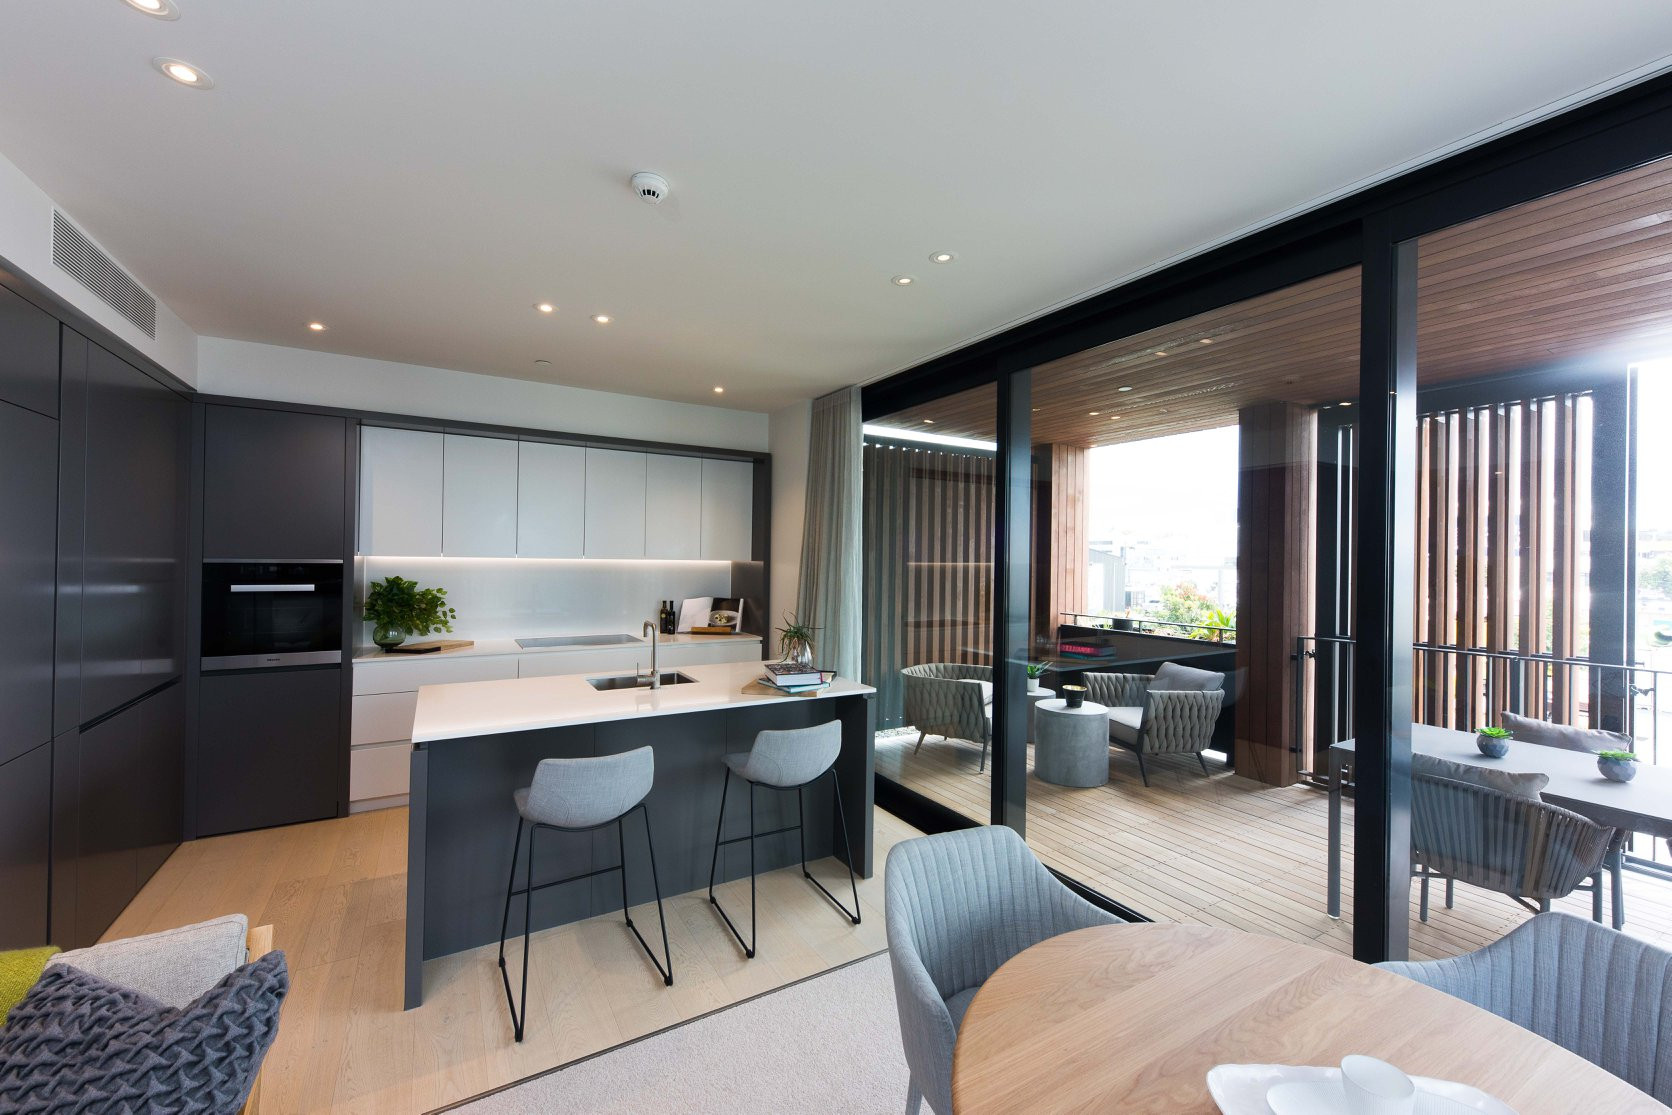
(366,656)
(482,708)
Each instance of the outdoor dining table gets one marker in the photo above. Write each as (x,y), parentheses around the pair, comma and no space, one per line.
(1642,805)
(1131,1017)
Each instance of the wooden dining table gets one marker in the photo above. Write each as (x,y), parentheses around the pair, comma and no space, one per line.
(1129,1018)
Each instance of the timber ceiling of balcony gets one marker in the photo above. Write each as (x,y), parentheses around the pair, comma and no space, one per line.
(1586,274)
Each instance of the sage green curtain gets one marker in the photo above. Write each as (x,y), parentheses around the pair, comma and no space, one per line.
(830,540)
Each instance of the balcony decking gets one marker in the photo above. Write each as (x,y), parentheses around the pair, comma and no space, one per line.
(1223,850)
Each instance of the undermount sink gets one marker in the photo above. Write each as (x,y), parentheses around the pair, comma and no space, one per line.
(637,681)
(578,641)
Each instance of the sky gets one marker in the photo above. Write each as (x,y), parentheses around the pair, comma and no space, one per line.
(1183,487)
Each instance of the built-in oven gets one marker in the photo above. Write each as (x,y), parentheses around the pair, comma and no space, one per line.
(261,614)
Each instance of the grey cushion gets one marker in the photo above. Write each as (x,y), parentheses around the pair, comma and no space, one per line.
(174,966)
(581,793)
(986,689)
(1565,736)
(78,1042)
(1172,677)
(1124,723)
(790,757)
(959,1005)
(1508,782)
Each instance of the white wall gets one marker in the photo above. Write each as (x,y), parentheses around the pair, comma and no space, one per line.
(295,375)
(26,243)
(788,444)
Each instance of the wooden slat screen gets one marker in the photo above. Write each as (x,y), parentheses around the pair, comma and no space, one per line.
(928,597)
(1501,516)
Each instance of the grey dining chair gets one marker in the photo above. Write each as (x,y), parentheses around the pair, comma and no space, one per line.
(784,759)
(1592,990)
(579,795)
(957,906)
(1520,846)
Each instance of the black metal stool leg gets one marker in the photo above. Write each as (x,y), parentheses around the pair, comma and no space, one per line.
(621,846)
(504,925)
(656,885)
(719,826)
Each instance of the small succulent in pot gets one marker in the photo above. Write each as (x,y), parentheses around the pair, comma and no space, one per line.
(1036,670)
(1493,742)
(1617,766)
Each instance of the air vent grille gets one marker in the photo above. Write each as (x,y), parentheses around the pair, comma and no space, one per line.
(79,257)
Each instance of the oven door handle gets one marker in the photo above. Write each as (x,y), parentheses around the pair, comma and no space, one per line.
(271,588)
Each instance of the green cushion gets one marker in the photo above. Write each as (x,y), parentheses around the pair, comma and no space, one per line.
(19,971)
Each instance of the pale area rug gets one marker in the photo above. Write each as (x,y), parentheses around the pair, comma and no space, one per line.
(830,1043)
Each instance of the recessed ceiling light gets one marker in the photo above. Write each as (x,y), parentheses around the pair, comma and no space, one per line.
(1207,340)
(1158,352)
(317,326)
(902,280)
(1093,413)
(183,72)
(943,257)
(158,9)
(1127,388)
(602,319)
(718,390)
(1346,404)
(542,363)
(545,307)
(1114,418)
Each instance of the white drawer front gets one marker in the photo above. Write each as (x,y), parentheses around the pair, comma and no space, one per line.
(379,771)
(405,677)
(707,654)
(382,717)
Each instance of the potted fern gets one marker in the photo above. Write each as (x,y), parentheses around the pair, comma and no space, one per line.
(795,641)
(397,607)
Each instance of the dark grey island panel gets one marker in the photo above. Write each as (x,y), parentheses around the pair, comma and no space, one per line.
(463,822)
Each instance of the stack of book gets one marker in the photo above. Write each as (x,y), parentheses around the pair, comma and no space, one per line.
(790,678)
(1096,647)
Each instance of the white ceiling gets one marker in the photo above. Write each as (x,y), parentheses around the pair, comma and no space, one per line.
(418,174)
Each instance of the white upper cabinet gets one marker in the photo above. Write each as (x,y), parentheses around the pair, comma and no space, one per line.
(479,499)
(615,491)
(728,510)
(551,500)
(673,507)
(400,492)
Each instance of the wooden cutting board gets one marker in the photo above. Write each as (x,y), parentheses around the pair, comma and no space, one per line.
(432,646)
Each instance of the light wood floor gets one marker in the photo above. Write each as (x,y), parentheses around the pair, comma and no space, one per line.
(334,892)
(1222,850)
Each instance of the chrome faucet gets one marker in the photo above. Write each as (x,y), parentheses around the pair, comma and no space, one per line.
(650,629)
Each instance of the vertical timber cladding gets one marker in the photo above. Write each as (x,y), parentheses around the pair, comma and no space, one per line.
(1061,539)
(1275,527)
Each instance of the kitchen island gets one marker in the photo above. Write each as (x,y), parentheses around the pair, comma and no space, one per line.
(474,743)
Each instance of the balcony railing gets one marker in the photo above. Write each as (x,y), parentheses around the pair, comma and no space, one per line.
(1143,626)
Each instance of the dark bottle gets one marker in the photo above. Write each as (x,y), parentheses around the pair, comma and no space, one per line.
(667,618)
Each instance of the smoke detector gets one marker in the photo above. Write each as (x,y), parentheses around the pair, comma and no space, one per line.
(651,188)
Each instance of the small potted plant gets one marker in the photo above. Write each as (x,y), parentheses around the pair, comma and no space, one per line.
(1493,742)
(1617,766)
(397,607)
(795,641)
(1036,670)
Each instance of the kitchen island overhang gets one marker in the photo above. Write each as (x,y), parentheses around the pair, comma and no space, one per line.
(474,743)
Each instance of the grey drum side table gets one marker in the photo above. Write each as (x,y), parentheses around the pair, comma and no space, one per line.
(1071,745)
(1034,697)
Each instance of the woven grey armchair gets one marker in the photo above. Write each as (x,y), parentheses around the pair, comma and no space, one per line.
(950,699)
(958,905)
(1590,989)
(1150,721)
(1525,848)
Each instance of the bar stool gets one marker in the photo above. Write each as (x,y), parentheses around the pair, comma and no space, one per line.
(790,759)
(579,795)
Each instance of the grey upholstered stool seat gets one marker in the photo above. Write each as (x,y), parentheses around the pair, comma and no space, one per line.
(958,906)
(785,759)
(578,795)
(1590,989)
